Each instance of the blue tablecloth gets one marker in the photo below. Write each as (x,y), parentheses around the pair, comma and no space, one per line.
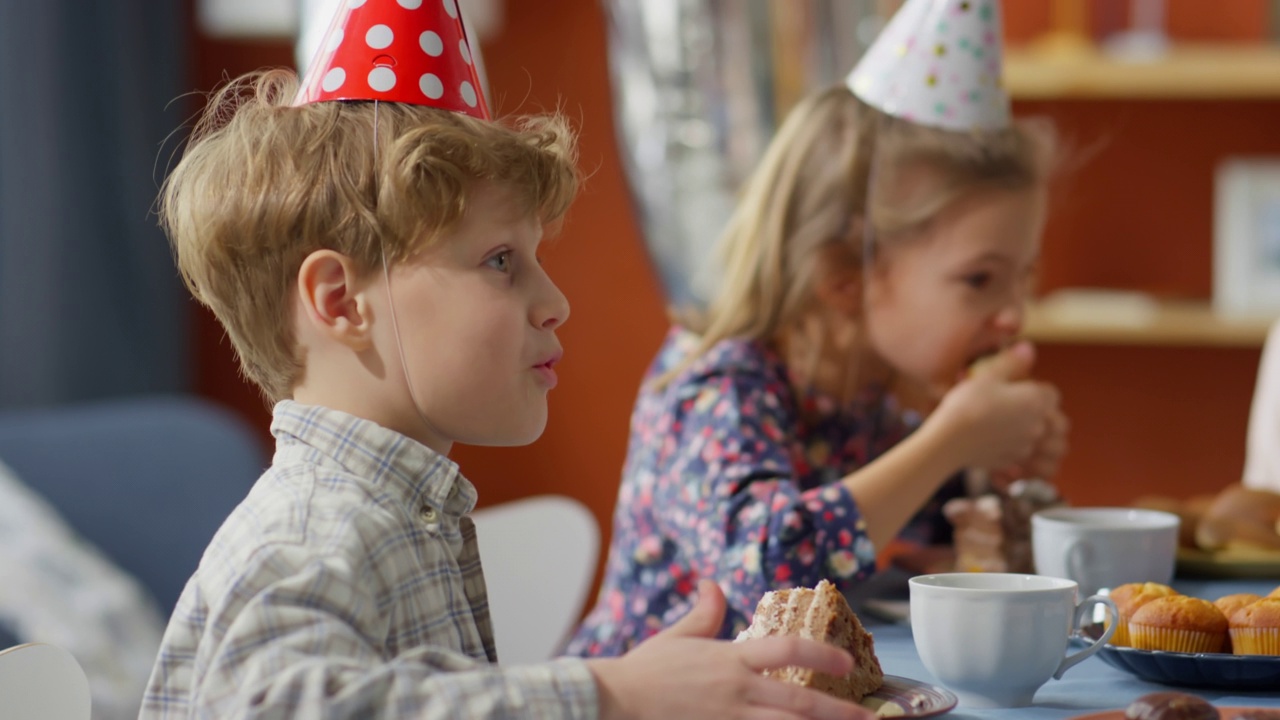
(1089,687)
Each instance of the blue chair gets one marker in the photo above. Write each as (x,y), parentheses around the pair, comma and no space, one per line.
(147,480)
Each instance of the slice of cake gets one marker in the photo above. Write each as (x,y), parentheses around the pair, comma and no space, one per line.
(819,614)
(993,527)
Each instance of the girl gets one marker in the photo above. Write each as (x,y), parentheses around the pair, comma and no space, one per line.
(871,262)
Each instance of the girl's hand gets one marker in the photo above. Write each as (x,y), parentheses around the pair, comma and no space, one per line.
(683,673)
(996,418)
(1047,455)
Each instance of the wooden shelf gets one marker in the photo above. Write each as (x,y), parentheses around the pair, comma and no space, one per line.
(1187,71)
(1166,323)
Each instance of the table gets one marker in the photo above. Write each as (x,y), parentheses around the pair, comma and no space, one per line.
(1089,687)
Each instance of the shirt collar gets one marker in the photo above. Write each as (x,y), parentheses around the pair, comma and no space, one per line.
(393,463)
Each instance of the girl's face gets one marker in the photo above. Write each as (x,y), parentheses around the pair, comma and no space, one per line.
(957,289)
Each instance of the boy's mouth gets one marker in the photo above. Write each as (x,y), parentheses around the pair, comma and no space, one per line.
(546,369)
(550,361)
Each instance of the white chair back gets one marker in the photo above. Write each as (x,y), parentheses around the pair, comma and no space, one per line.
(42,682)
(539,557)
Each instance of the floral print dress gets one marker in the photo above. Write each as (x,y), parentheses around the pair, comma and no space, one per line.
(730,476)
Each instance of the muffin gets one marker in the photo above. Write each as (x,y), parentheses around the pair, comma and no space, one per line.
(1255,629)
(1128,598)
(1274,593)
(1178,624)
(1229,604)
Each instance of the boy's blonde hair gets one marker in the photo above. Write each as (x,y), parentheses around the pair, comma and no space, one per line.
(264,183)
(810,195)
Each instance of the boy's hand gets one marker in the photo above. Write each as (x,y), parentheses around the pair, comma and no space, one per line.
(683,673)
(996,417)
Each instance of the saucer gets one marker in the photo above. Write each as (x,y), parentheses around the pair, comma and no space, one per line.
(904,697)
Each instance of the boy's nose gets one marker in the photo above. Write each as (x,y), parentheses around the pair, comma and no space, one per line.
(553,309)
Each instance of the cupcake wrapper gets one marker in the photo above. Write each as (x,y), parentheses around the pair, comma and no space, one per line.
(1121,636)
(1253,641)
(1145,637)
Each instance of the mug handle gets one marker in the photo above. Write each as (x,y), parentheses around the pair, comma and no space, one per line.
(1096,645)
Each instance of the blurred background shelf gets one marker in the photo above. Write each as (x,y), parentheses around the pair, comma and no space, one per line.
(1134,321)
(1188,71)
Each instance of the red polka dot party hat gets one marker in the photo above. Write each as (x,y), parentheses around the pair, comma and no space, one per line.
(405,51)
(938,63)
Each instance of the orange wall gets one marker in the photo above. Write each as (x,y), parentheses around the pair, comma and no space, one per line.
(1137,214)
(1195,20)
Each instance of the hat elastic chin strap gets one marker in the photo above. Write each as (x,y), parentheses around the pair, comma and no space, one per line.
(391,305)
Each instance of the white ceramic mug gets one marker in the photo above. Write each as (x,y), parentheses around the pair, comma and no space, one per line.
(1105,547)
(995,638)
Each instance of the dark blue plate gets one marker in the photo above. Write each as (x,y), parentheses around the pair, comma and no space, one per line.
(1215,670)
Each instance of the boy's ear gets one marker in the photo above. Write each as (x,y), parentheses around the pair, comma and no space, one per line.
(333,299)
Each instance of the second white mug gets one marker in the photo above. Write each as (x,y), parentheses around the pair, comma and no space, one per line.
(1104,547)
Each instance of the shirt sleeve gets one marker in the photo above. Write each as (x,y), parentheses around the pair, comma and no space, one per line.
(305,643)
(734,508)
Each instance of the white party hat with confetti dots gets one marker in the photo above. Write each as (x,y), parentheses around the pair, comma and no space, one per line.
(938,63)
(405,51)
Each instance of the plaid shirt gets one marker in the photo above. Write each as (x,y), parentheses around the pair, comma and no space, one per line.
(348,585)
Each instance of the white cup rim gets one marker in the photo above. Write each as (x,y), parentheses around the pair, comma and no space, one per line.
(1136,519)
(943,581)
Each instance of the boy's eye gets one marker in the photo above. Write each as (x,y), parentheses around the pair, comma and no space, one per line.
(500,262)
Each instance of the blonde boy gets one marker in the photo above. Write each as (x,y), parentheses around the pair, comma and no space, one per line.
(383,288)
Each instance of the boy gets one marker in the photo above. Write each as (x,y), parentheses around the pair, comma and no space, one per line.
(375,266)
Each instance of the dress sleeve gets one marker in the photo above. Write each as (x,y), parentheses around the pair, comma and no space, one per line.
(733,506)
(306,643)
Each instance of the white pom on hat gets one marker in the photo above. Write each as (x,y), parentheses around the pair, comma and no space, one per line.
(938,63)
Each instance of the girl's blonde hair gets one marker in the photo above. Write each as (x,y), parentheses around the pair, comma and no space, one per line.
(264,183)
(810,194)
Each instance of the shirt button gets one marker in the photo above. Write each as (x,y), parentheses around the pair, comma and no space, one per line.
(427,513)
(453,491)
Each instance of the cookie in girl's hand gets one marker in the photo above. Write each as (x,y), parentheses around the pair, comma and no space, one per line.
(999,360)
